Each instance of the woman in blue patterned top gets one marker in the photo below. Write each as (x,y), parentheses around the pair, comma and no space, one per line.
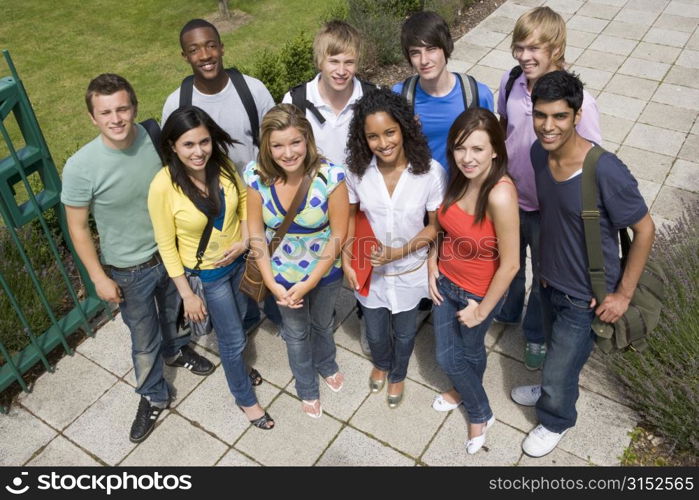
(304,274)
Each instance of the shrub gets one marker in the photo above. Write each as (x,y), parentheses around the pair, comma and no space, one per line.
(663,381)
(448,9)
(379,23)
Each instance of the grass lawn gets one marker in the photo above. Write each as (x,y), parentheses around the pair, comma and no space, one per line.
(58,47)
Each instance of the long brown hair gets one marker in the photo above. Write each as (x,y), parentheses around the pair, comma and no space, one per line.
(465,124)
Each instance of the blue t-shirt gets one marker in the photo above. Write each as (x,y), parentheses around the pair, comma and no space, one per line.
(438,113)
(562,239)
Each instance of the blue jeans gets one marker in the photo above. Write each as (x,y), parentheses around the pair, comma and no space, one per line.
(149,309)
(308,333)
(461,350)
(227,307)
(529,223)
(567,323)
(391,339)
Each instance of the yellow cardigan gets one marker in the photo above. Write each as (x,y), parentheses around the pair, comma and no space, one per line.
(178,224)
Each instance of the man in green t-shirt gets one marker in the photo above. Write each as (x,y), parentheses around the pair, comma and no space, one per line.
(110,177)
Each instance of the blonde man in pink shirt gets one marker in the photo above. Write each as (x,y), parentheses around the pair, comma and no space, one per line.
(538,45)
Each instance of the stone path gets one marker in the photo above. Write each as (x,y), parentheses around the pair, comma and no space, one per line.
(640,58)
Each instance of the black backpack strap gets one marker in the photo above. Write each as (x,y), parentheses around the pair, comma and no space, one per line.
(469,90)
(248,102)
(367,87)
(408,91)
(514,74)
(186,90)
(298,99)
(153,130)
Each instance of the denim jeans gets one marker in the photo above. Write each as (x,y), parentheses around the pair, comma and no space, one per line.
(567,323)
(461,350)
(149,309)
(529,223)
(227,306)
(308,333)
(270,308)
(391,339)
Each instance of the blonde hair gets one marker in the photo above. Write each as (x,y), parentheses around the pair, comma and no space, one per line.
(281,117)
(550,28)
(336,37)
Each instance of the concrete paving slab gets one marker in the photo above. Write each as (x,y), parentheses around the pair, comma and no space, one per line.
(580,39)
(343,404)
(448,447)
(565,6)
(599,10)
(634,16)
(646,165)
(618,105)
(671,202)
(104,428)
(649,190)
(690,148)
(296,439)
(511,10)
(684,175)
(511,342)
(110,347)
(495,331)
(644,69)
(62,453)
(666,116)
(498,59)
(588,24)
(573,54)
(693,42)
(689,59)
(676,22)
(678,96)
(688,77)
(501,375)
(625,30)
(347,335)
(407,428)
(615,3)
(614,128)
(423,365)
(655,139)
(454,65)
(23,435)
(212,407)
(647,5)
(662,36)
(529,3)
(346,302)
(631,86)
(468,52)
(600,60)
(59,397)
(612,147)
(557,458)
(352,448)
(656,52)
(587,440)
(597,377)
(483,38)
(695,128)
(592,78)
(489,76)
(498,24)
(182,381)
(236,459)
(171,445)
(683,9)
(270,358)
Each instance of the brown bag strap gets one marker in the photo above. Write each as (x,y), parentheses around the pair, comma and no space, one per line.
(300,195)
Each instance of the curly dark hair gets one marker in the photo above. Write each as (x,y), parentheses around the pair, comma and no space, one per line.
(414,141)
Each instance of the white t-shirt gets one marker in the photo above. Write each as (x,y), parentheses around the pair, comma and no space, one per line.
(331,136)
(396,220)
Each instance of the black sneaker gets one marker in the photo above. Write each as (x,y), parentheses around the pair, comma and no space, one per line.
(144,423)
(195,363)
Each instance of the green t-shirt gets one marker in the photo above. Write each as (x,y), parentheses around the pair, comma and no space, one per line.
(114,184)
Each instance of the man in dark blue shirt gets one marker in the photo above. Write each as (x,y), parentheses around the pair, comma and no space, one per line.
(568,306)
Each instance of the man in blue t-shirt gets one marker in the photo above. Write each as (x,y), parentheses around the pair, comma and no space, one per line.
(568,306)
(426,43)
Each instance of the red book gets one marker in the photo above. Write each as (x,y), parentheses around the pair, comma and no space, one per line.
(364,242)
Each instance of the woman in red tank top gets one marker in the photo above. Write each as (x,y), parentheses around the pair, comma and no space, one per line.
(471,268)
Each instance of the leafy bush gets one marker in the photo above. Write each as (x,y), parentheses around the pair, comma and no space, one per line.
(379,22)
(663,381)
(448,9)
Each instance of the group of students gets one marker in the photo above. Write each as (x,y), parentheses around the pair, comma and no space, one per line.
(452,194)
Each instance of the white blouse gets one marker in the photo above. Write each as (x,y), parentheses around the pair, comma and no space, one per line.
(395,220)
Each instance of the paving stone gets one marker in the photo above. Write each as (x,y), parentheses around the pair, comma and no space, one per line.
(489,76)
(666,37)
(104,428)
(580,39)
(110,347)
(655,52)
(456,66)
(557,458)
(615,3)
(346,302)
(644,69)
(296,439)
(684,175)
(343,404)
(448,448)
(612,147)
(613,45)
(483,37)
(598,10)
(671,117)
(389,425)
(423,365)
(693,42)
(171,445)
(352,448)
(59,397)
(495,331)
(498,59)
(597,377)
(62,453)
(625,30)
(621,106)
(600,60)
(270,356)
(592,78)
(468,52)
(511,10)
(689,59)
(613,128)
(656,6)
(22,435)
(565,6)
(511,343)
(212,407)
(695,128)
(528,3)
(690,148)
(679,75)
(584,23)
(679,23)
(611,442)
(684,9)
(657,140)
(498,24)
(573,54)
(661,223)
(347,335)
(649,190)
(502,375)
(236,459)
(182,381)
(671,202)
(639,17)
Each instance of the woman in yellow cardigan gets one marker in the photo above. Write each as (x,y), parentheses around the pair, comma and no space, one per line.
(201,182)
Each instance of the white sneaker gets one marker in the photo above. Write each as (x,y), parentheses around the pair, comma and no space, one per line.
(476,443)
(526,395)
(441,404)
(541,441)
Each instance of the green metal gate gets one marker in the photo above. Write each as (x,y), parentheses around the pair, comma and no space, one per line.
(30,158)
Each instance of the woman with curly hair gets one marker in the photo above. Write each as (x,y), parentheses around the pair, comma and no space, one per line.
(471,268)
(392,178)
